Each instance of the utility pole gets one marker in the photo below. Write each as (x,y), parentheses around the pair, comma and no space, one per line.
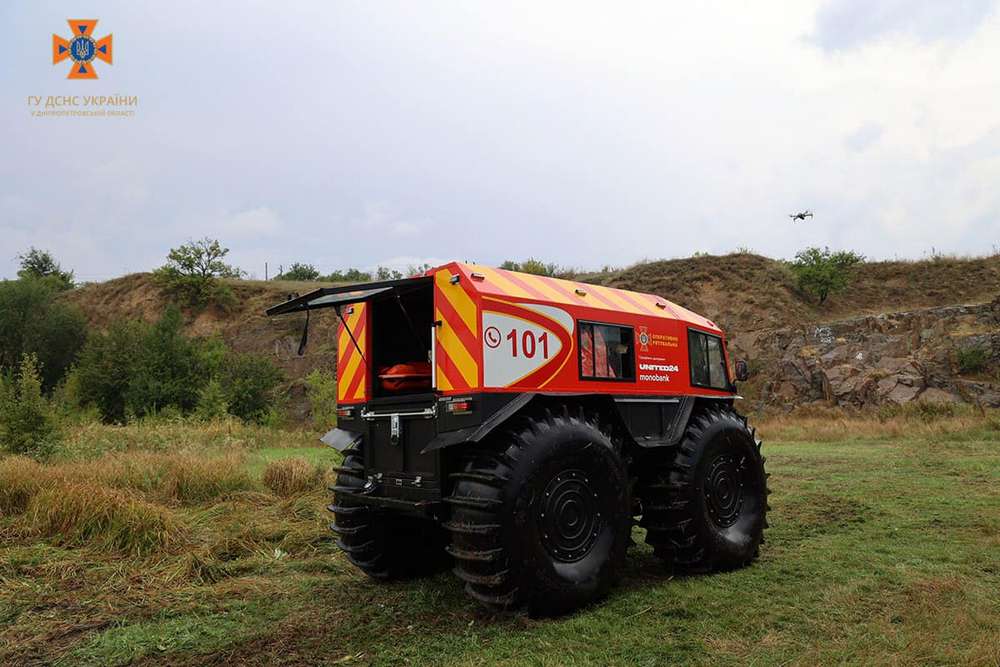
(265,270)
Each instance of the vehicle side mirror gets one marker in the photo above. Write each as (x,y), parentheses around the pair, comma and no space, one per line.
(742,370)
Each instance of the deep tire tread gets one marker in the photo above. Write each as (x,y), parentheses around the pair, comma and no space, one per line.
(668,512)
(481,557)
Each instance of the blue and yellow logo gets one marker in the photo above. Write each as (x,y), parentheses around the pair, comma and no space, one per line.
(82,49)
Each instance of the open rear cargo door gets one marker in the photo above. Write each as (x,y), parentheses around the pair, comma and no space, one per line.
(330,297)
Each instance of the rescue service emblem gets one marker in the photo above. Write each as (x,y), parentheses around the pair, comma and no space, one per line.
(82,49)
(644,339)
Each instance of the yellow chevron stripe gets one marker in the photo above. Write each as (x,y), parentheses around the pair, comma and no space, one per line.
(343,340)
(458,298)
(442,380)
(461,357)
(344,383)
(610,295)
(349,373)
(506,286)
(542,285)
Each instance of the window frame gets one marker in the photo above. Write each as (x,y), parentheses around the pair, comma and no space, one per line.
(692,332)
(579,347)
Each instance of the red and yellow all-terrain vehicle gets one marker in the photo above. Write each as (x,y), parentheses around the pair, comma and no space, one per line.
(516,425)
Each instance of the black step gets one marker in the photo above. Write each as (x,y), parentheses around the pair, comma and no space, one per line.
(347,530)
(342,509)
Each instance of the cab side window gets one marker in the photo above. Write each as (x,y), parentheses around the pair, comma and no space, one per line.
(607,352)
(708,363)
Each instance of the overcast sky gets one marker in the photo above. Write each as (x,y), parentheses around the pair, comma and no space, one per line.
(364,133)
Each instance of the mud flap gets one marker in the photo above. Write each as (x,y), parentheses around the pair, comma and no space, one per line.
(340,439)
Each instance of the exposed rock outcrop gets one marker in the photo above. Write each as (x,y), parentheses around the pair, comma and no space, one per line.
(878,359)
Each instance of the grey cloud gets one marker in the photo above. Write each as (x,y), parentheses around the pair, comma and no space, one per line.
(847,24)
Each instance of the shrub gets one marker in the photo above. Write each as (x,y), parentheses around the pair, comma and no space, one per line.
(531,265)
(250,383)
(192,274)
(348,276)
(168,369)
(212,403)
(107,366)
(822,273)
(289,477)
(138,370)
(27,422)
(299,272)
(32,321)
(385,273)
(321,390)
(973,359)
(41,265)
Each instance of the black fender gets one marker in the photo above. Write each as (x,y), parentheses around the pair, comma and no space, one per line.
(477,433)
(669,432)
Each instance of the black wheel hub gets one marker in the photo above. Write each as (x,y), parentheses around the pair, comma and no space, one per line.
(724,489)
(569,516)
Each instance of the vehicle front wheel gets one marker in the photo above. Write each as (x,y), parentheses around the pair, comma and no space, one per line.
(704,503)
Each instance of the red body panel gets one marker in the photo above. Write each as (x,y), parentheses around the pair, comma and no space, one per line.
(518,314)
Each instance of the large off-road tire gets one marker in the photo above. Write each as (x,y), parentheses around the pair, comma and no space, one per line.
(542,516)
(704,503)
(381,544)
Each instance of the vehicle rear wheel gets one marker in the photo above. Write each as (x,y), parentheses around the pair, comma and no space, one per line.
(381,544)
(543,518)
(704,505)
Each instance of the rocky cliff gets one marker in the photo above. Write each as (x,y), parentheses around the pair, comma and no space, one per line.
(887,358)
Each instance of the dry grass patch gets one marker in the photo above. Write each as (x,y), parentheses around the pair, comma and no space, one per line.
(822,424)
(185,478)
(91,439)
(77,513)
(290,477)
(20,479)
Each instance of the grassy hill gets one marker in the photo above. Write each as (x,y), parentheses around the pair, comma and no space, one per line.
(743,292)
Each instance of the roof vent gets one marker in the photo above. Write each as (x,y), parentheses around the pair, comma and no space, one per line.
(478,276)
(581,292)
(660,304)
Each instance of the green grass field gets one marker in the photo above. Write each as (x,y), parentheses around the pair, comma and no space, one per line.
(884,548)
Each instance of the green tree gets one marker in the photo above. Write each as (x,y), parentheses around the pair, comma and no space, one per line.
(321,390)
(169,369)
(212,403)
(138,369)
(192,273)
(299,272)
(28,424)
(33,321)
(107,366)
(41,265)
(348,276)
(822,273)
(385,273)
(531,265)
(250,382)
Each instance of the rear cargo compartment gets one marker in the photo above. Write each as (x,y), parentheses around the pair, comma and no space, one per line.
(401,341)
